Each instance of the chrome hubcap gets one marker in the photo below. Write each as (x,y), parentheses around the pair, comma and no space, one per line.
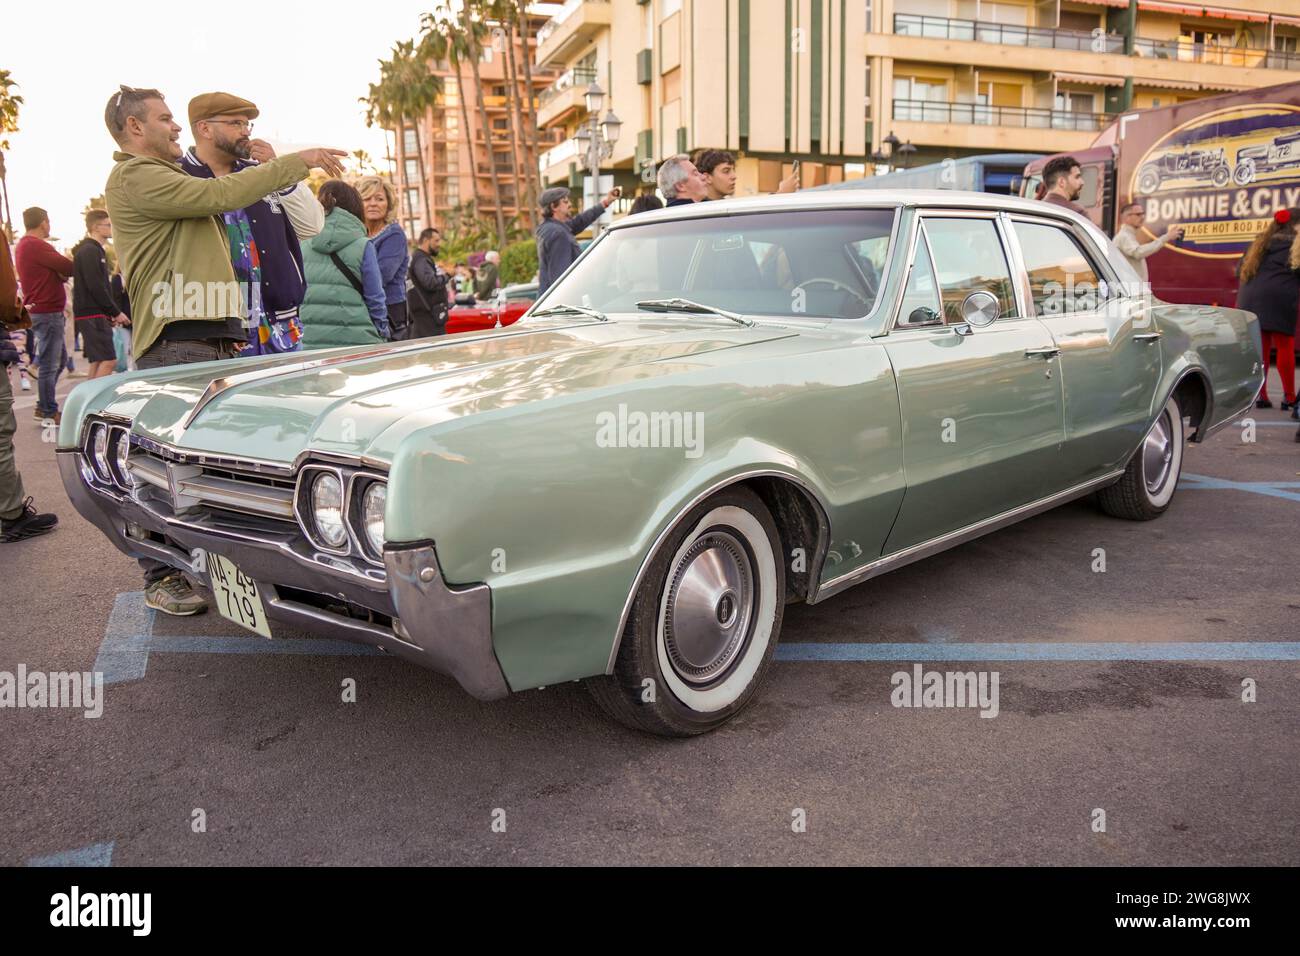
(1158,454)
(710,606)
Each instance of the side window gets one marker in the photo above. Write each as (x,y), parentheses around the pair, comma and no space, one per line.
(921,305)
(1062,278)
(969,257)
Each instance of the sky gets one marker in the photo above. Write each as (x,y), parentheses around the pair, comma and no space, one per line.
(303,65)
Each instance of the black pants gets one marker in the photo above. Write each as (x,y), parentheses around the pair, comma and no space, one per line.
(181,352)
(399,329)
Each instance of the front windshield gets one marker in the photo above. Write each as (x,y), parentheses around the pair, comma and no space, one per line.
(824,264)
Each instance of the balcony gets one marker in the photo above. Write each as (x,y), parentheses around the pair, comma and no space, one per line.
(1187,52)
(565,95)
(568,31)
(973,114)
(1048,38)
(554,163)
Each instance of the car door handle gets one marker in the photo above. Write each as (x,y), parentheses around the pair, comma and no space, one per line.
(1047,353)
(1147,336)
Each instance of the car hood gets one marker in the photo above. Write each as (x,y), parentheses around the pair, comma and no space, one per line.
(347,401)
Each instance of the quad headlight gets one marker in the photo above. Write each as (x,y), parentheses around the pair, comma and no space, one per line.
(119,440)
(372,515)
(327,509)
(341,509)
(99,451)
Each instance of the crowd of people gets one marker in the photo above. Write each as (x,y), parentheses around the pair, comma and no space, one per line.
(335,268)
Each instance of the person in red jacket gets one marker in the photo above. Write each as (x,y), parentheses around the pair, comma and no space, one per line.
(41,273)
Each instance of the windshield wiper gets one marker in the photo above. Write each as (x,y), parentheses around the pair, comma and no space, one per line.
(562,307)
(686,305)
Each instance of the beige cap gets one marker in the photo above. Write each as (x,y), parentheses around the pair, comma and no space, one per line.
(207,105)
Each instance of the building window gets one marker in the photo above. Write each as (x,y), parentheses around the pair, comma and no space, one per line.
(413,201)
(1285,44)
(1072,101)
(412,171)
(408,140)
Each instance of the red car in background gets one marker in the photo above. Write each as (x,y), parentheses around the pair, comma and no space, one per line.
(510,303)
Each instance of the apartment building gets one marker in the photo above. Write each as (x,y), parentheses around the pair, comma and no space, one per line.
(829,82)
(770,80)
(956,77)
(455,157)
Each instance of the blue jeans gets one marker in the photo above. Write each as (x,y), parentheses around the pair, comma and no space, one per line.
(48,327)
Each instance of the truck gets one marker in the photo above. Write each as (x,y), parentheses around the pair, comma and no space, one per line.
(1218,167)
(990,173)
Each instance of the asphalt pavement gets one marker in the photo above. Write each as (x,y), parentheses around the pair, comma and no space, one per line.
(216,748)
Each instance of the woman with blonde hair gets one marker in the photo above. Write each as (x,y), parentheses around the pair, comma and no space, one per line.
(380,202)
(1270,287)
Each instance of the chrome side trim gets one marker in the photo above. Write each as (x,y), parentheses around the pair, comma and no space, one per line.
(814,569)
(927,548)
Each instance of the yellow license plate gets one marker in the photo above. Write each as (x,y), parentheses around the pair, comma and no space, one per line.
(237,595)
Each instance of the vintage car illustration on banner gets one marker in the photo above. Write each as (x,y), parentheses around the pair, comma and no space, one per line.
(718,410)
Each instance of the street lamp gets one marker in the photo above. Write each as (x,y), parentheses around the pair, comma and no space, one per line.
(596,137)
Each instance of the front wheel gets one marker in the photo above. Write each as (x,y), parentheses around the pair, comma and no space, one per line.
(1149,481)
(704,624)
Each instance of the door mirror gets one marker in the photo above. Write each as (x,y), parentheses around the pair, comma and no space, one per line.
(980,309)
(922,315)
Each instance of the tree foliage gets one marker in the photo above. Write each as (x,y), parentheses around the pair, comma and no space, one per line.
(10,103)
(519,262)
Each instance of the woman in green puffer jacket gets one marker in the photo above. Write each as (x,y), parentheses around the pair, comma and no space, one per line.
(344,303)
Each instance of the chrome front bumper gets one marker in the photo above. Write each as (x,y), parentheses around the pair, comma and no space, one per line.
(446,629)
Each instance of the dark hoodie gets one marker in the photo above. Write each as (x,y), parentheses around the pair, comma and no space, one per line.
(92,293)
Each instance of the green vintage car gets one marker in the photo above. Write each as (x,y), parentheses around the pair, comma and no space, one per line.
(719,409)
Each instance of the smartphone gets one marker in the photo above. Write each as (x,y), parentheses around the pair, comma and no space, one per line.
(795,171)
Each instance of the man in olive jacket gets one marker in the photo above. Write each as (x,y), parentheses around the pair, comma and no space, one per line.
(169,236)
(175,257)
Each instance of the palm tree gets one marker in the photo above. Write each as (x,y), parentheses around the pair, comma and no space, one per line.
(381,107)
(474,32)
(503,11)
(405,92)
(521,26)
(9,105)
(441,40)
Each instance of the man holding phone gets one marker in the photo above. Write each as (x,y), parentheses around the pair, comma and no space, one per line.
(556,245)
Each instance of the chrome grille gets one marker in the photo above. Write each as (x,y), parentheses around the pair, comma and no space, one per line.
(191,486)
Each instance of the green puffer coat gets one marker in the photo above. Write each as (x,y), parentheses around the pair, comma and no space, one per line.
(333,312)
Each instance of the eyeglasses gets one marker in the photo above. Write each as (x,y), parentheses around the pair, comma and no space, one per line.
(245,125)
(122,90)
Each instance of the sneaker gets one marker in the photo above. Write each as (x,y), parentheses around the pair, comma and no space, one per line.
(44,418)
(174,595)
(76,373)
(1263,403)
(27,525)
(25,385)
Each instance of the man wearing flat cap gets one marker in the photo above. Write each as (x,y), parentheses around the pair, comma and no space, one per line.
(175,257)
(263,236)
(556,245)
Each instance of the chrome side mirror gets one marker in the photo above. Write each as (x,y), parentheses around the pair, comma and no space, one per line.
(980,309)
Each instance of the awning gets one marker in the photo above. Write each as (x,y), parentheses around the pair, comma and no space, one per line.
(1167,84)
(1090,79)
(1104,3)
(1197,10)
(1289,21)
